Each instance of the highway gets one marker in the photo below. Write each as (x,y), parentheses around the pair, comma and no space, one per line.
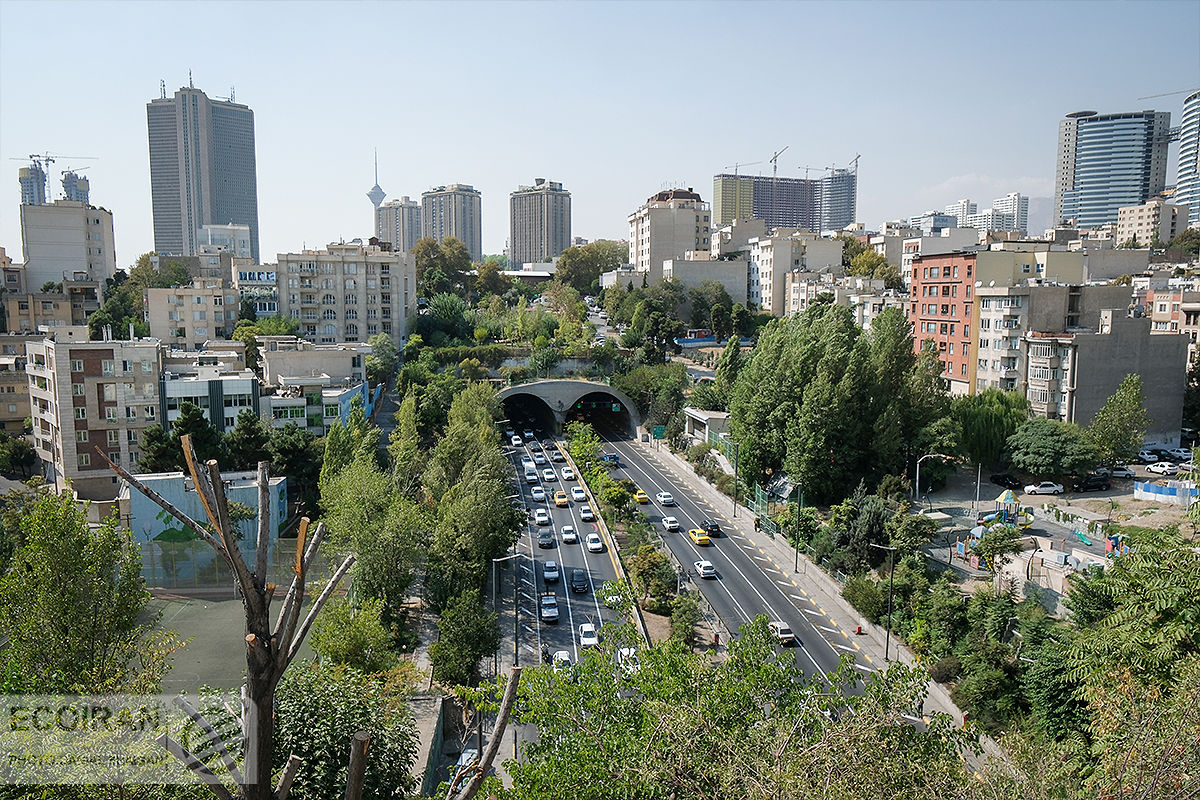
(575,608)
(747,582)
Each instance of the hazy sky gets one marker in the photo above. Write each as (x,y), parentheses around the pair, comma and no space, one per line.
(616,100)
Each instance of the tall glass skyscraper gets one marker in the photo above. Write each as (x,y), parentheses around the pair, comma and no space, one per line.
(1106,161)
(202,169)
(1187,180)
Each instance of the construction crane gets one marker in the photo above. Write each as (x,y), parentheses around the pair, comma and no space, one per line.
(1166,94)
(807,168)
(739,164)
(774,182)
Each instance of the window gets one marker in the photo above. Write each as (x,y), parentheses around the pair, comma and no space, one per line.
(106,367)
(77,389)
(198,316)
(81,436)
(77,365)
(147,368)
(331,410)
(81,413)
(110,414)
(110,392)
(114,437)
(85,459)
(151,411)
(131,413)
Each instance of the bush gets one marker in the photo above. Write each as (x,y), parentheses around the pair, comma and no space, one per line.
(865,596)
(491,354)
(725,484)
(946,670)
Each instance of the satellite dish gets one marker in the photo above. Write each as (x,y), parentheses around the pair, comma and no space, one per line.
(978,284)
(991,283)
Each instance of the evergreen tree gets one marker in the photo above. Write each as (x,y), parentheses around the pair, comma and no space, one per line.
(249,442)
(159,451)
(986,420)
(206,438)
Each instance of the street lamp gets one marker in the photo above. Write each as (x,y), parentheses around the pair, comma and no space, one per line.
(887,641)
(737,450)
(496,611)
(917,485)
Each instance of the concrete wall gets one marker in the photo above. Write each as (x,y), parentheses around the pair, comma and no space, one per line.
(1107,264)
(559,396)
(730,274)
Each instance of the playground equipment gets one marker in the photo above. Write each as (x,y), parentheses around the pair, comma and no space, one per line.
(1007,512)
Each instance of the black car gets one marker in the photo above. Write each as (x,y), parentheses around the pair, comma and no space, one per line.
(711,527)
(545,538)
(1090,483)
(579,580)
(1007,480)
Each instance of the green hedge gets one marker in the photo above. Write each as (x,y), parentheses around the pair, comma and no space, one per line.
(492,355)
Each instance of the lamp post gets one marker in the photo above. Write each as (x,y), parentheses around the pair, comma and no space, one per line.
(496,611)
(887,641)
(917,485)
(737,450)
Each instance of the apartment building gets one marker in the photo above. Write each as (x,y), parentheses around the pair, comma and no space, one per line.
(67,240)
(69,304)
(668,225)
(219,393)
(455,210)
(188,316)
(90,399)
(315,402)
(734,237)
(865,297)
(696,268)
(348,292)
(773,257)
(399,223)
(1187,176)
(259,285)
(948,240)
(281,357)
(1155,222)
(539,222)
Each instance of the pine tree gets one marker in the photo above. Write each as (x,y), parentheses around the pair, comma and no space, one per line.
(206,438)
(249,442)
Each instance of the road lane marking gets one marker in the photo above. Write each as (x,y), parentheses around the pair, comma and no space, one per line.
(827,630)
(795,597)
(812,613)
(843,647)
(864,669)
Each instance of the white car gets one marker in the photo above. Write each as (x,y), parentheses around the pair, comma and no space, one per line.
(561,660)
(782,633)
(569,536)
(538,494)
(1147,457)
(568,474)
(550,572)
(516,441)
(530,476)
(577,494)
(541,517)
(705,569)
(1115,472)
(1186,466)
(594,543)
(1045,487)
(539,459)
(670,524)
(665,499)
(1162,468)
(588,636)
(586,514)
(1180,453)
(549,475)
(556,456)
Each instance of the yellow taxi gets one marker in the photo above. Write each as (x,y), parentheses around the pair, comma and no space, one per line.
(698,536)
(560,498)
(641,496)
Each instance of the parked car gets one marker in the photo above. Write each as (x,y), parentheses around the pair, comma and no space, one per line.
(546,538)
(569,536)
(782,633)
(588,636)
(1007,480)
(550,572)
(568,474)
(665,499)
(1180,453)
(548,608)
(1186,466)
(1090,483)
(1116,472)
(641,496)
(1045,487)
(1147,456)
(1162,468)
(705,569)
(579,580)
(586,514)
(698,536)
(594,543)
(670,524)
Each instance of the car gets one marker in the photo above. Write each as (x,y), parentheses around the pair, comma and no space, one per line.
(627,660)
(1115,472)
(526,462)
(550,572)
(705,569)
(670,524)
(1186,466)
(1007,480)
(533,445)
(578,494)
(560,498)
(1180,453)
(538,494)
(782,633)
(561,660)
(539,459)
(549,474)
(568,474)
(548,608)
(547,443)
(588,636)
(546,538)
(699,536)
(556,456)
(529,435)
(509,433)
(641,496)
(569,536)
(1147,456)
(613,596)
(1162,468)
(1090,483)
(579,580)
(594,543)
(665,499)
(586,514)
(541,517)
(711,527)
(1045,487)
(515,441)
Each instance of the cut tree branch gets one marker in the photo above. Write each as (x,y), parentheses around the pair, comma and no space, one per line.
(489,754)
(197,766)
(295,641)
(264,523)
(167,506)
(214,737)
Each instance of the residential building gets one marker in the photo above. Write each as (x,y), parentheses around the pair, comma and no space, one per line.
(961,210)
(539,222)
(14,384)
(668,225)
(1073,373)
(865,297)
(734,238)
(221,264)
(75,187)
(1015,208)
(315,402)
(280,357)
(33,184)
(232,239)
(71,304)
(931,223)
(202,169)
(1106,161)
(890,244)
(695,268)
(220,393)
(1154,223)
(948,241)
(188,316)
(399,222)
(773,257)
(229,356)
(90,399)
(66,240)
(348,292)
(1187,178)
(455,210)
(258,283)
(818,204)
(1008,213)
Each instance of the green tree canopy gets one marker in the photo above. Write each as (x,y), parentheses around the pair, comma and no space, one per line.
(580,267)
(1119,427)
(383,360)
(466,633)
(356,637)
(249,442)
(987,420)
(1050,447)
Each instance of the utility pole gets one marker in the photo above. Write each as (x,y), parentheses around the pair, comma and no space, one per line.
(887,641)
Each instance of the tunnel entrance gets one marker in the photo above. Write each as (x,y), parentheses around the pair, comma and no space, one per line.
(547,406)
(529,411)
(602,411)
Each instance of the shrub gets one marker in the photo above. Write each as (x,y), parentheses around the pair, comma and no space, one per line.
(865,596)
(946,670)
(725,484)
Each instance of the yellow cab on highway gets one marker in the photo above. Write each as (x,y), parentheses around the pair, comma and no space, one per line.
(699,536)
(560,498)
(641,496)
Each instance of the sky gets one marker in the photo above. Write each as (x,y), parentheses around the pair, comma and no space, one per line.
(616,100)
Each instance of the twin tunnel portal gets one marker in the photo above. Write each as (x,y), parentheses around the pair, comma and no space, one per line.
(554,403)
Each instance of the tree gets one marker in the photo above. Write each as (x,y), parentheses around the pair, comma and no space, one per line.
(354,637)
(206,438)
(249,442)
(465,635)
(296,454)
(651,572)
(247,310)
(1191,395)
(382,362)
(851,247)
(986,421)
(1118,428)
(685,616)
(997,544)
(17,455)
(73,606)
(705,297)
(910,532)
(581,267)
(158,452)
(490,280)
(278,326)
(1050,447)
(583,443)
(720,321)
(741,320)
(1188,241)
(441,266)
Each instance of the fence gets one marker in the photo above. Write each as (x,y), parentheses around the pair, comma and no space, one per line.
(195,565)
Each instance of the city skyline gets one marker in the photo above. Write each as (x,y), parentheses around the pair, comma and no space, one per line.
(313,169)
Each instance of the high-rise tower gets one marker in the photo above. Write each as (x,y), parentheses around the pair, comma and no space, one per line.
(376,194)
(1187,180)
(202,168)
(454,210)
(33,184)
(539,222)
(75,187)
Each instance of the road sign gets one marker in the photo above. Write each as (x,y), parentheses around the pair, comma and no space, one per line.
(616,406)
(660,431)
